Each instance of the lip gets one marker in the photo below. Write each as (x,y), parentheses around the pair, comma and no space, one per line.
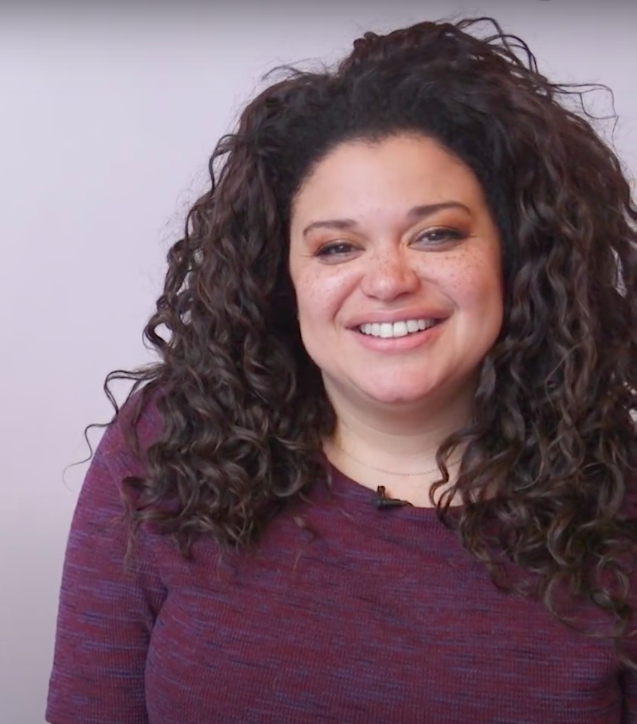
(399,316)
(399,344)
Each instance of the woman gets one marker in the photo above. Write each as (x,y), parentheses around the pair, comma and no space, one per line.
(383,470)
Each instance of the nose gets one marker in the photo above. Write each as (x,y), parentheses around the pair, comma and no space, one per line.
(389,274)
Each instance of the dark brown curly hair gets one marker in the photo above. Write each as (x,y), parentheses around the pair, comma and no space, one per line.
(243,408)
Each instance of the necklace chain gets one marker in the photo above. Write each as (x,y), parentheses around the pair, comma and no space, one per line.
(388,472)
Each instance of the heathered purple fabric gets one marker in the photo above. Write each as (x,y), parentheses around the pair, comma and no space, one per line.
(385,618)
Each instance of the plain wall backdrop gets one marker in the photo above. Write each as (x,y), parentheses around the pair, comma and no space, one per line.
(107,120)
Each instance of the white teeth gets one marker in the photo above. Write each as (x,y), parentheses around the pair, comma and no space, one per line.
(388,330)
(400,329)
(412,325)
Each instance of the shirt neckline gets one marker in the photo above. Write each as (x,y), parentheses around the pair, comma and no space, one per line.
(345,487)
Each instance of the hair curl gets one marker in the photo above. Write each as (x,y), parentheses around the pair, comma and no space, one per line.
(243,407)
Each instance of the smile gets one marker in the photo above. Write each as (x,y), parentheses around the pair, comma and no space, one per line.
(388,330)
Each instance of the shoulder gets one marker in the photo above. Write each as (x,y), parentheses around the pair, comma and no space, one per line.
(133,429)
(120,454)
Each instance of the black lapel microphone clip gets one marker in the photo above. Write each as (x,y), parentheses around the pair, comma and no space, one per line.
(382,502)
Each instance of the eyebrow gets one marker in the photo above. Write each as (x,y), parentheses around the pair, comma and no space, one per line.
(415,214)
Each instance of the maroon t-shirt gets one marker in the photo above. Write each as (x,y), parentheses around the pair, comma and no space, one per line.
(385,618)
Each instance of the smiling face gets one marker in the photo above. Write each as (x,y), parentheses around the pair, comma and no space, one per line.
(395,260)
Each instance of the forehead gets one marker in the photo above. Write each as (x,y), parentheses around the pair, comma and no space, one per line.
(402,170)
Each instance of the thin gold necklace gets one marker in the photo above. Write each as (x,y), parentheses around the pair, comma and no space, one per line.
(388,472)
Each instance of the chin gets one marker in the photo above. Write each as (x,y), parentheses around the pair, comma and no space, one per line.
(398,397)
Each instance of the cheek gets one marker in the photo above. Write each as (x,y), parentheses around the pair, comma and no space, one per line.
(475,284)
(320,296)
(481,294)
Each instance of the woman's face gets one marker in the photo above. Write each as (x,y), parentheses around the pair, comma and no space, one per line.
(395,260)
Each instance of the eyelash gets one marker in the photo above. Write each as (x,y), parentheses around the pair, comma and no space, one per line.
(331,249)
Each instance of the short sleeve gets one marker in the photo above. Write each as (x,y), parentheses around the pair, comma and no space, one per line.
(106,608)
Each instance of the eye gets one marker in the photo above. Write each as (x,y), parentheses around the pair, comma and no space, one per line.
(440,236)
(335,250)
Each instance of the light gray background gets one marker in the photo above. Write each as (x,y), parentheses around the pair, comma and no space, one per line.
(106,123)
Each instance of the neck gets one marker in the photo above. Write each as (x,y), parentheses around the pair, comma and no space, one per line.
(394,447)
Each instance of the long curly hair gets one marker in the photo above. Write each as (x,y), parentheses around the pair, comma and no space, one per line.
(243,409)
